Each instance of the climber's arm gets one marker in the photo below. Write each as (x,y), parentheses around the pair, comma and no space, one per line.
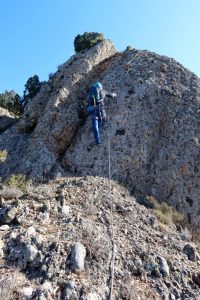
(104,94)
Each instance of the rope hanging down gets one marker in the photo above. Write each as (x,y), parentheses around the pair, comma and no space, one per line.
(112,267)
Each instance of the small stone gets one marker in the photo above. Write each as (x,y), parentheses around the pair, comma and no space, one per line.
(71,284)
(13,235)
(31,232)
(196,279)
(137,262)
(11,215)
(152,220)
(1,253)
(2,201)
(26,292)
(149,266)
(4,227)
(93,296)
(191,253)
(47,286)
(31,253)
(38,240)
(43,217)
(164,268)
(66,210)
(172,297)
(69,291)
(44,268)
(77,260)
(165,238)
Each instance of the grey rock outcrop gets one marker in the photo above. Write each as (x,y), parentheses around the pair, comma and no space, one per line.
(52,118)
(153,130)
(7,120)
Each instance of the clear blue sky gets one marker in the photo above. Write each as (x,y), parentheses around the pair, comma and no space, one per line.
(37,35)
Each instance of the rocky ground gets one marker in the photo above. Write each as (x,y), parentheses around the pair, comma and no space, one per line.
(56,242)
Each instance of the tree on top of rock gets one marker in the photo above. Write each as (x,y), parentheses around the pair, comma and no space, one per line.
(87,40)
(32,86)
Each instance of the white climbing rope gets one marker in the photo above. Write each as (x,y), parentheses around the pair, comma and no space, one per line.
(129,64)
(112,267)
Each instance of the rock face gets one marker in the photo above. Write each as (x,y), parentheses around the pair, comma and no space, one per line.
(153,130)
(153,126)
(53,117)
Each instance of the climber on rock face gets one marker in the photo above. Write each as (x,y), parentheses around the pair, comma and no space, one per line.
(96,108)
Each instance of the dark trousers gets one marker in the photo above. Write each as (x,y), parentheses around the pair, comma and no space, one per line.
(98,120)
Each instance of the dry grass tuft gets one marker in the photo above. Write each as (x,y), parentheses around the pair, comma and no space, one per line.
(3,156)
(165,213)
(10,193)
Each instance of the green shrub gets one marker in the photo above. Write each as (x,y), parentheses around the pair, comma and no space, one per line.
(9,193)
(128,48)
(17,181)
(32,88)
(87,40)
(11,101)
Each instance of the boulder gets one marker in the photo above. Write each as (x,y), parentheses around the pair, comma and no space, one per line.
(191,252)
(163,266)
(77,259)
